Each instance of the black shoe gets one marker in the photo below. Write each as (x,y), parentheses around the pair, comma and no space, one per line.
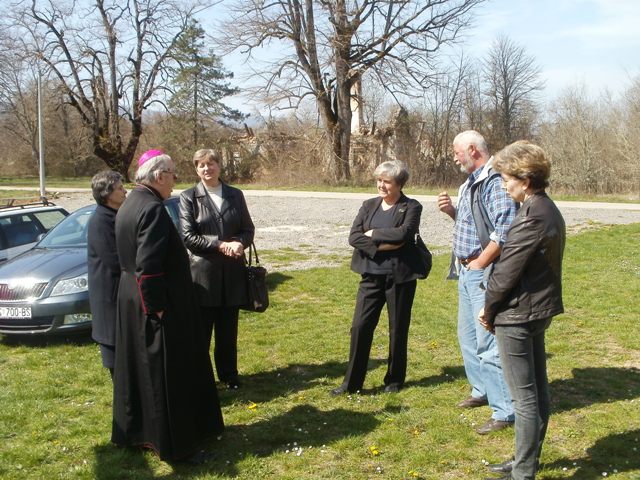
(392,388)
(504,467)
(473,402)
(493,425)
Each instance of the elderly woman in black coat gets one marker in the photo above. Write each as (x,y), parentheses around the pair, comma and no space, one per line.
(102,262)
(217,228)
(523,294)
(385,254)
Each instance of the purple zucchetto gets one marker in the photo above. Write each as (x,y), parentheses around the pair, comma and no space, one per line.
(148,155)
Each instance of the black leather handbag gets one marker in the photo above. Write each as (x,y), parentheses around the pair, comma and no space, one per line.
(425,255)
(257,291)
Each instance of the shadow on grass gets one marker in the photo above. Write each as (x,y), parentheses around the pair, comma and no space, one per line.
(594,385)
(118,463)
(619,451)
(276,278)
(265,386)
(295,377)
(300,431)
(449,374)
(79,339)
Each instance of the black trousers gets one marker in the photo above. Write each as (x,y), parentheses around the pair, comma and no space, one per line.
(222,322)
(374,291)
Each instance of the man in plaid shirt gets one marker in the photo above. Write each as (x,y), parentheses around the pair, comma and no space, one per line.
(482,218)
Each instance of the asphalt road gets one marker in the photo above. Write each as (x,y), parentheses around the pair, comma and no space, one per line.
(317,223)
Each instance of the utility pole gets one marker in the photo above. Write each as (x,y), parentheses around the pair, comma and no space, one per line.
(41,139)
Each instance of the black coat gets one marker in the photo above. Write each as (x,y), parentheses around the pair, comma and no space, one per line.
(406,263)
(219,279)
(526,283)
(164,390)
(103,274)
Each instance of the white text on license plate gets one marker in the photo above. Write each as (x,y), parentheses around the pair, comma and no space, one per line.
(15,312)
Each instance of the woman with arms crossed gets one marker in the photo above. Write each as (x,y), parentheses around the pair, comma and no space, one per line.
(385,255)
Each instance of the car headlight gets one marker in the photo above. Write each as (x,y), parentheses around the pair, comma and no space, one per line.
(71,285)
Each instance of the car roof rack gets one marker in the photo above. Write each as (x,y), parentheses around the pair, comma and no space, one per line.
(8,203)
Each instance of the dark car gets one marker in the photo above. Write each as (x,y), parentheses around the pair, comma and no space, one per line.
(44,290)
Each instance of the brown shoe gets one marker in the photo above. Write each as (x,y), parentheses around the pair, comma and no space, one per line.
(473,402)
(493,426)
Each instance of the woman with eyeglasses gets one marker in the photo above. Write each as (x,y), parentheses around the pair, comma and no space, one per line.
(523,294)
(217,228)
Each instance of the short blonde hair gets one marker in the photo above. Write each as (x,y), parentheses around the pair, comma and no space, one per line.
(207,154)
(526,161)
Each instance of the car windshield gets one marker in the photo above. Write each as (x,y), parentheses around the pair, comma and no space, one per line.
(70,232)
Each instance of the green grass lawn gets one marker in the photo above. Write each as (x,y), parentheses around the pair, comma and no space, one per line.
(55,398)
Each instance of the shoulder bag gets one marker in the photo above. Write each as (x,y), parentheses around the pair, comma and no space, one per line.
(257,292)
(425,255)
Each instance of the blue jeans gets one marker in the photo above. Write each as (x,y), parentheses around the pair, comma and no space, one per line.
(480,349)
(525,369)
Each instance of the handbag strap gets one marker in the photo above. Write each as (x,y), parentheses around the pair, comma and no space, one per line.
(252,251)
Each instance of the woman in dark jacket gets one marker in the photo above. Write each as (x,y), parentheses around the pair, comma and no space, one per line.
(102,262)
(217,228)
(523,294)
(384,238)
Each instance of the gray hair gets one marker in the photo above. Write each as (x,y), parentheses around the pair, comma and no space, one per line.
(102,185)
(471,137)
(394,169)
(152,168)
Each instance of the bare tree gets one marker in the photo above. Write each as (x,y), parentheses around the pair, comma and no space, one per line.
(18,94)
(579,142)
(322,47)
(512,81)
(444,113)
(626,130)
(110,58)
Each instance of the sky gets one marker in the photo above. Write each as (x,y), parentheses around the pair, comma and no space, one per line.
(590,43)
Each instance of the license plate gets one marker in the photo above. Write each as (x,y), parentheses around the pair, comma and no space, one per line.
(15,312)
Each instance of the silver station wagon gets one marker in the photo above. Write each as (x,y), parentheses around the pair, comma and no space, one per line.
(22,225)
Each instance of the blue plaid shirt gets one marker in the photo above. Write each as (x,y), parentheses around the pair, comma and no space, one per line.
(501,210)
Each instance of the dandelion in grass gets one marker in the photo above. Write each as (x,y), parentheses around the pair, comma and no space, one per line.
(373,451)
(413,474)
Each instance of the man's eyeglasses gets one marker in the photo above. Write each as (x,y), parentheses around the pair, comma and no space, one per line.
(175,177)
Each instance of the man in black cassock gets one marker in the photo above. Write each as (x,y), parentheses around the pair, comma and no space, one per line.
(165,396)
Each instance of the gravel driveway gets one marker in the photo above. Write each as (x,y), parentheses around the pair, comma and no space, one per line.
(316,224)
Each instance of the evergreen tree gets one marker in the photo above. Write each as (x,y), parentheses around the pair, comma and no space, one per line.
(199,83)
